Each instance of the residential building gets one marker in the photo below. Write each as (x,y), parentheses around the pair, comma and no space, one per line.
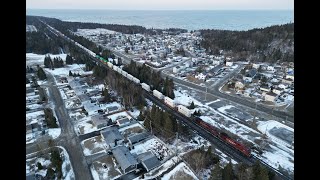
(148,160)
(125,159)
(270,96)
(112,136)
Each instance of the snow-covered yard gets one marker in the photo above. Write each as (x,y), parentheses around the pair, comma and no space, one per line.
(86,127)
(93,145)
(155,146)
(105,168)
(180,172)
(54,132)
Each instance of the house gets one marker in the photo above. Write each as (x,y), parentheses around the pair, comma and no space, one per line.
(99,121)
(137,138)
(123,121)
(277,91)
(229,63)
(256,66)
(112,136)
(270,68)
(270,96)
(289,76)
(239,85)
(251,73)
(247,79)
(265,88)
(125,159)
(176,69)
(148,160)
(287,81)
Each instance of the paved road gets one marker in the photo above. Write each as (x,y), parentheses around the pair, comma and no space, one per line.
(67,138)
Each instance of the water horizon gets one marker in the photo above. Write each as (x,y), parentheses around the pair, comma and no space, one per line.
(238,20)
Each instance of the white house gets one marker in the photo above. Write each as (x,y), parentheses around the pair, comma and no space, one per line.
(265,88)
(229,63)
(277,91)
(270,96)
(239,85)
(256,66)
(215,62)
(200,76)
(290,77)
(247,79)
(270,68)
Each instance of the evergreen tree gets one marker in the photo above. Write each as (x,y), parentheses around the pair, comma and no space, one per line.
(27,81)
(70,73)
(41,74)
(39,165)
(106,94)
(50,173)
(227,173)
(192,106)
(216,172)
(69,59)
(168,125)
(260,172)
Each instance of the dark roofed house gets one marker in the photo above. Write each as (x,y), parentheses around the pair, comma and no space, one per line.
(112,108)
(123,121)
(125,159)
(112,136)
(148,160)
(99,121)
(138,137)
(251,73)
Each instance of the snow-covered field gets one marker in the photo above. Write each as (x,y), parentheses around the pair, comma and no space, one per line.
(155,146)
(64,71)
(54,132)
(181,171)
(266,126)
(184,99)
(38,59)
(97,31)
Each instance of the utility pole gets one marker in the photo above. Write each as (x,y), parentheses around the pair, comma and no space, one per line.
(206,93)
(150,126)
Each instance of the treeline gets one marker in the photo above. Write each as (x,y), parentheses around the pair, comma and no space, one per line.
(152,78)
(261,44)
(126,89)
(126,29)
(241,171)
(44,41)
(163,123)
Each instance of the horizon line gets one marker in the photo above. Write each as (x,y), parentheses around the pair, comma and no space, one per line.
(161,9)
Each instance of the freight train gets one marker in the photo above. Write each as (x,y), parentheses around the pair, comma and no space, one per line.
(180,108)
(224,137)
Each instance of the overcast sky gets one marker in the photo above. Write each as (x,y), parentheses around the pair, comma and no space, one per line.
(160,4)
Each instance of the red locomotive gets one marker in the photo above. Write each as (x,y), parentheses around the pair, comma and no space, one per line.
(224,137)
